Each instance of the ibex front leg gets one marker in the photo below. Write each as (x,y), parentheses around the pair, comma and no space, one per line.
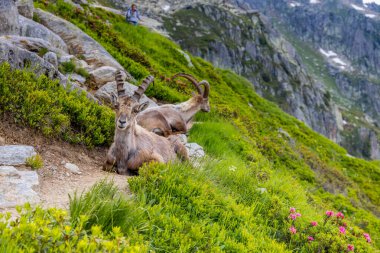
(110,163)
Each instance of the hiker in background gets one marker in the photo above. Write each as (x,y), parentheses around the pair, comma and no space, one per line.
(133,15)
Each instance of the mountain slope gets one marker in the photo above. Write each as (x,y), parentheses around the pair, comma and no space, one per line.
(260,163)
(344,33)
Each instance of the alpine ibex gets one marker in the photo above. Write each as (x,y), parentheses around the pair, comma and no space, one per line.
(134,145)
(177,118)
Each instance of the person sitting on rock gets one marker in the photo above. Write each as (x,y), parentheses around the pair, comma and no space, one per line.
(133,15)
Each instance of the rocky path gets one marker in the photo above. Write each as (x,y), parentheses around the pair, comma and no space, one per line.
(56,180)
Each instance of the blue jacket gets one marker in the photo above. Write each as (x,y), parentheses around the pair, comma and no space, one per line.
(133,16)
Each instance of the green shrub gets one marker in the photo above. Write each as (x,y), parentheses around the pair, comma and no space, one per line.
(83,72)
(44,104)
(50,230)
(35,162)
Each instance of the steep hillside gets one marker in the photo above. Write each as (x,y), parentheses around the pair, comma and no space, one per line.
(344,35)
(260,163)
(326,76)
(246,44)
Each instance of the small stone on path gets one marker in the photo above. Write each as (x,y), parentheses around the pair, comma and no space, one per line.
(73,168)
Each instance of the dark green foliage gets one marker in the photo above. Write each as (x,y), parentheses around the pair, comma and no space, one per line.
(67,67)
(44,104)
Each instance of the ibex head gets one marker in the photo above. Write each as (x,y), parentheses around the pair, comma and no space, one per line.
(127,107)
(202,95)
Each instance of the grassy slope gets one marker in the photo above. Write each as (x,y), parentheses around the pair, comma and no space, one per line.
(217,206)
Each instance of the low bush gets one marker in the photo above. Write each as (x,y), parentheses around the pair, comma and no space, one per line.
(44,104)
(35,162)
(39,230)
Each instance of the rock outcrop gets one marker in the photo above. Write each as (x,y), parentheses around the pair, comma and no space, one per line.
(105,92)
(78,42)
(247,44)
(16,187)
(30,44)
(15,154)
(8,17)
(21,58)
(29,28)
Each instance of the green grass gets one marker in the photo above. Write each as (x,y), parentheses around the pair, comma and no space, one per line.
(218,205)
(35,162)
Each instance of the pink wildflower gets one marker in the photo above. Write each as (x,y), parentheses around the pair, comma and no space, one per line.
(340,215)
(350,247)
(292,230)
(367,237)
(314,223)
(329,213)
(310,238)
(298,214)
(292,210)
(342,230)
(292,216)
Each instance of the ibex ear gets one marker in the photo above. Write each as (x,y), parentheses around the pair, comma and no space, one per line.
(141,107)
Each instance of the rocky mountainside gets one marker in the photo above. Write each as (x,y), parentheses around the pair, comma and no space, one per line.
(318,60)
(247,44)
(345,34)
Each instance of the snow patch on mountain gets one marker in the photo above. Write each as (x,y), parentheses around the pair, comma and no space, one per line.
(335,60)
(371,1)
(294,4)
(315,1)
(357,7)
(370,15)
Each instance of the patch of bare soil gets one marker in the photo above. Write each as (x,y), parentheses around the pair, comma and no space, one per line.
(55,181)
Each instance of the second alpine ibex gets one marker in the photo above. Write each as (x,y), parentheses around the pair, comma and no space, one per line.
(176,118)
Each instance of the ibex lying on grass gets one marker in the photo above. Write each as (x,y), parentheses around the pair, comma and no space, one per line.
(177,118)
(134,145)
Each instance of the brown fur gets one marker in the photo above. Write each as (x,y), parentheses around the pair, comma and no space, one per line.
(134,145)
(176,118)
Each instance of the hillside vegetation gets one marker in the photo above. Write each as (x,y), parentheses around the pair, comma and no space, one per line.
(260,163)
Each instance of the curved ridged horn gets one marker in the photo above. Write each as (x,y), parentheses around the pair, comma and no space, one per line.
(119,83)
(206,86)
(142,88)
(191,79)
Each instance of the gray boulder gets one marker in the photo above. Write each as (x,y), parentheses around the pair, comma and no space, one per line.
(8,17)
(31,44)
(16,187)
(51,58)
(78,42)
(102,75)
(15,154)
(21,58)
(195,150)
(29,28)
(25,8)
(105,92)
(73,168)
(76,78)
